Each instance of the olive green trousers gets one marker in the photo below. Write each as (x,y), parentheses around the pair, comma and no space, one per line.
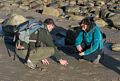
(36,55)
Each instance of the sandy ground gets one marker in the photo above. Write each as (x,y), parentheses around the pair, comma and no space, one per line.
(14,70)
(107,70)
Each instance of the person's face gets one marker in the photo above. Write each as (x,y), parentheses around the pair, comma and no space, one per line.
(84,27)
(50,27)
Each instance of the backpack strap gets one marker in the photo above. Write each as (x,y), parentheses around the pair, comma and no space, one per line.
(37,44)
(28,53)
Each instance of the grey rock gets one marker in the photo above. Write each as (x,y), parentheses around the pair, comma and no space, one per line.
(72,3)
(81,1)
(24,7)
(114,21)
(75,17)
(34,5)
(72,9)
(52,11)
(1,5)
(63,3)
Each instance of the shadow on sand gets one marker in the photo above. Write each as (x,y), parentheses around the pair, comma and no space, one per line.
(107,60)
(111,63)
(10,47)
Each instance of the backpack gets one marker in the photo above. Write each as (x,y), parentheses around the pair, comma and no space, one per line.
(21,32)
(24,31)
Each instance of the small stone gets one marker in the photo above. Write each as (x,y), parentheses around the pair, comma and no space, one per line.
(62,68)
(44,69)
(71,67)
(116,47)
(1,20)
(61,80)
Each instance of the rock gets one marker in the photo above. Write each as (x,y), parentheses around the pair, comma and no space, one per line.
(46,2)
(34,5)
(81,1)
(26,2)
(101,22)
(72,9)
(1,20)
(51,11)
(63,4)
(72,3)
(90,4)
(116,47)
(111,17)
(75,17)
(14,19)
(39,1)
(1,5)
(100,3)
(61,79)
(114,21)
(44,69)
(24,7)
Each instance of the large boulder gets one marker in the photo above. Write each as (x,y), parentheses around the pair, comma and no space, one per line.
(52,11)
(14,20)
(72,9)
(75,17)
(114,21)
(111,17)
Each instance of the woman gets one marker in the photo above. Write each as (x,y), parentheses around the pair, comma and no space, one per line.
(89,42)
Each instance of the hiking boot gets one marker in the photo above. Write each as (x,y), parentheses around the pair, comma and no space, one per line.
(30,64)
(96,61)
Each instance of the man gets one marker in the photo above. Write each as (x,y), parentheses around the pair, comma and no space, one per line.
(43,50)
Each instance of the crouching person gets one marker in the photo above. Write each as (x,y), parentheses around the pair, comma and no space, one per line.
(42,48)
(89,42)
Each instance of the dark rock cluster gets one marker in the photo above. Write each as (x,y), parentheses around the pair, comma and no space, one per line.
(108,10)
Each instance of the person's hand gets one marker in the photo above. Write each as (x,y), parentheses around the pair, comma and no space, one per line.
(79,48)
(81,54)
(63,62)
(45,61)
